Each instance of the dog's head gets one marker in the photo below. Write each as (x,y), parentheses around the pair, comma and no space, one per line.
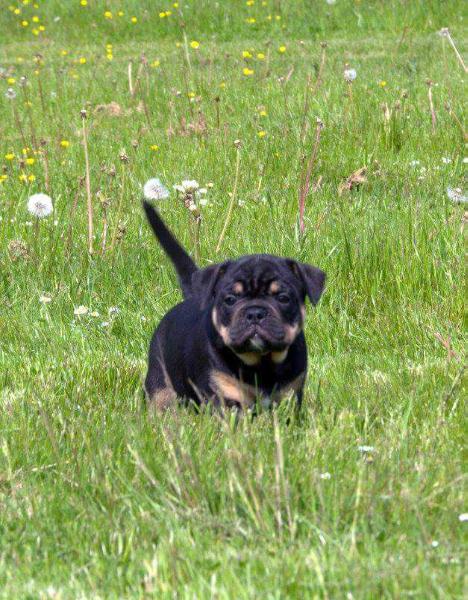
(257,302)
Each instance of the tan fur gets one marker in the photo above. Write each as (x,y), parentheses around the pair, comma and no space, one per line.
(162,399)
(279,357)
(250,358)
(293,386)
(221,329)
(238,287)
(229,388)
(274,287)
(291,332)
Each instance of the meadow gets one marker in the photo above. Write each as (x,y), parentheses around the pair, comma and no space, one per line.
(332,132)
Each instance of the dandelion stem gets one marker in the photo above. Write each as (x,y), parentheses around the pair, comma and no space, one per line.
(431,106)
(130,78)
(119,209)
(457,54)
(305,187)
(232,201)
(88,184)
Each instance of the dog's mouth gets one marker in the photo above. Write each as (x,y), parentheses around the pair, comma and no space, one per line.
(258,339)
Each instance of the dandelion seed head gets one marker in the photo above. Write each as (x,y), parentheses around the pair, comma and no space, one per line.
(463,517)
(40,205)
(154,189)
(366,449)
(457,195)
(10,94)
(350,75)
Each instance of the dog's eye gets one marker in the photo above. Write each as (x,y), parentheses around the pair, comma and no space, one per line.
(283,298)
(230,300)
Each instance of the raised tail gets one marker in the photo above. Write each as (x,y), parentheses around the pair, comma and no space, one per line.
(183,264)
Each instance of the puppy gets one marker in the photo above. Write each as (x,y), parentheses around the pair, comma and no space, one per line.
(236,339)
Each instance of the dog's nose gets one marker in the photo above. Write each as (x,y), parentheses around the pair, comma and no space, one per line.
(255,314)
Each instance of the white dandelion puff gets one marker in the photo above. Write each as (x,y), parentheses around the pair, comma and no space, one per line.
(190,185)
(80,310)
(40,205)
(10,94)
(456,195)
(446,160)
(154,189)
(350,75)
(330,2)
(325,475)
(366,449)
(463,517)
(45,299)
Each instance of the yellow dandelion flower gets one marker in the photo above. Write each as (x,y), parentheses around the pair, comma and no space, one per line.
(26,150)
(3,178)
(17,11)
(178,44)
(35,19)
(278,17)
(162,15)
(246,54)
(84,2)
(41,28)
(108,14)
(11,80)
(63,52)
(30,161)
(168,13)
(82,60)
(251,20)
(64,143)
(20,59)
(191,94)
(133,19)
(120,13)
(269,18)
(109,56)
(250,2)
(261,134)
(36,72)
(9,156)
(261,56)
(263,113)
(35,31)
(247,71)
(222,85)
(194,44)
(264,3)
(176,5)
(282,49)
(22,177)
(382,83)
(155,63)
(24,23)
(154,147)
(31,177)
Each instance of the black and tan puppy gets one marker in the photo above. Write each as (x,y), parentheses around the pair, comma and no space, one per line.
(237,337)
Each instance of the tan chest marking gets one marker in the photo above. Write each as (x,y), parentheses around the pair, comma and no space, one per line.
(228,387)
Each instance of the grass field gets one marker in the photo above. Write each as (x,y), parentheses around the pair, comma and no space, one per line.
(365,498)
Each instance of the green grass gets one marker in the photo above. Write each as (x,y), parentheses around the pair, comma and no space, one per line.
(98,500)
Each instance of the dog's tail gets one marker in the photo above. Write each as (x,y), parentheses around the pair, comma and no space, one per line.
(183,264)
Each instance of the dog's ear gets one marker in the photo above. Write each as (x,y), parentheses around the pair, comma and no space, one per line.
(312,278)
(204,282)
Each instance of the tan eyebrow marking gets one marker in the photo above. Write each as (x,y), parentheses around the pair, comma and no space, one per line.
(238,287)
(274,287)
